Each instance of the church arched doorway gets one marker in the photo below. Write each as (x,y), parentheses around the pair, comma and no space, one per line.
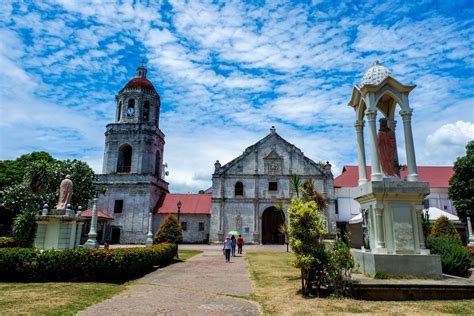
(272,219)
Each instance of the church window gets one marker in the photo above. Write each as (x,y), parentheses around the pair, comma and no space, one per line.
(158,164)
(239,189)
(119,111)
(272,186)
(131,108)
(124,159)
(184,226)
(146,110)
(118,206)
(201,227)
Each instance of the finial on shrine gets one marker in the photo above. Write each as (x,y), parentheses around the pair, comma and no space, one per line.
(273,130)
(376,63)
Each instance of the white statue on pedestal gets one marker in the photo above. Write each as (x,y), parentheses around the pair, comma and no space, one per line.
(65,193)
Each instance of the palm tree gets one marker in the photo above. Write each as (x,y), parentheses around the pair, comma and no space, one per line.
(310,194)
(295,184)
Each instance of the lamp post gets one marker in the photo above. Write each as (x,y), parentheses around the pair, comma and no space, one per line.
(179,204)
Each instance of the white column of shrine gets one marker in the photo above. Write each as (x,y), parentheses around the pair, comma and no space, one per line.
(409,146)
(374,153)
(359,125)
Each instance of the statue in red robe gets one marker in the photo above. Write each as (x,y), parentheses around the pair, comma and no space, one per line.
(387,149)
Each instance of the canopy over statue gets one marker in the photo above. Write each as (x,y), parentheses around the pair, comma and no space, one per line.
(387,149)
(65,193)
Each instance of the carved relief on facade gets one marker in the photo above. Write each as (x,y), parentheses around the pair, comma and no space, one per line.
(273,163)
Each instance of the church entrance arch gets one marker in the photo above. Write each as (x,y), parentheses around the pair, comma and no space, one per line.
(272,219)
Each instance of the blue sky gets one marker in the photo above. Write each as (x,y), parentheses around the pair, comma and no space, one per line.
(227,71)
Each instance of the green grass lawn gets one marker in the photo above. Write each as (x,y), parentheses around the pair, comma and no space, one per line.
(186,254)
(53,298)
(277,288)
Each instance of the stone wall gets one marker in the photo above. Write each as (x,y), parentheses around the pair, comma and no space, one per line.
(272,159)
(192,233)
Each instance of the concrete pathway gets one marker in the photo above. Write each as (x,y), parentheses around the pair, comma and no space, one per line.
(202,285)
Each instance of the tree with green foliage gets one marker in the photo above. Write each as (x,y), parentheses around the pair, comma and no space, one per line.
(455,259)
(310,194)
(340,265)
(32,180)
(307,227)
(170,231)
(442,227)
(461,184)
(295,184)
(24,228)
(13,171)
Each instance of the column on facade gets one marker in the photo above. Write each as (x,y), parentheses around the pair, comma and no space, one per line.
(359,125)
(409,146)
(469,232)
(374,153)
(420,228)
(379,226)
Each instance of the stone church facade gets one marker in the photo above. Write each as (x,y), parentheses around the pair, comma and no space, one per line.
(246,191)
(133,161)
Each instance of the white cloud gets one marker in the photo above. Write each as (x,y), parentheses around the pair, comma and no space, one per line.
(225,69)
(449,141)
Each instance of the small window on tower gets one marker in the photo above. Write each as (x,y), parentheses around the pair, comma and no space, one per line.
(184,226)
(239,189)
(201,227)
(119,111)
(131,108)
(272,186)
(118,207)
(146,110)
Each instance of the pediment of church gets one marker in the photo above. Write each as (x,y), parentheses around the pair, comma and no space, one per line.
(272,155)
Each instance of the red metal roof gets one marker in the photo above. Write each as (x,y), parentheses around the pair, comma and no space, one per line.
(438,177)
(190,204)
(140,82)
(100,214)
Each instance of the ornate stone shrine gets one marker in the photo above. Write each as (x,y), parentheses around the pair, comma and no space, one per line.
(391,206)
(59,228)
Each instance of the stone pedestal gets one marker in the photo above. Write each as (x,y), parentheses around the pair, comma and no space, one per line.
(395,235)
(58,231)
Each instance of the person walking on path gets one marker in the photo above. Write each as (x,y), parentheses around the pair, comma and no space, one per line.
(240,244)
(227,246)
(233,244)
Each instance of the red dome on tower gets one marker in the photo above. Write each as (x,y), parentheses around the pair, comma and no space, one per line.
(143,83)
(140,81)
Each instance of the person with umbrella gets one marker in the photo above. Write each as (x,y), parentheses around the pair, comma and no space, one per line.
(233,243)
(233,233)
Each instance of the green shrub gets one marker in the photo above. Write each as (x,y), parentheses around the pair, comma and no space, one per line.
(455,259)
(169,231)
(24,228)
(7,242)
(115,265)
(340,265)
(442,227)
(306,227)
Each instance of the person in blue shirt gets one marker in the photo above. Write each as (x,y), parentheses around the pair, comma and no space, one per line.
(233,243)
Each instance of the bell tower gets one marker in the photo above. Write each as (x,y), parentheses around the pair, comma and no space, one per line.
(133,160)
